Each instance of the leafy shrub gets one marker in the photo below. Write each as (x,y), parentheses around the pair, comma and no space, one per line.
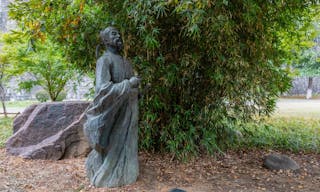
(42,96)
(62,95)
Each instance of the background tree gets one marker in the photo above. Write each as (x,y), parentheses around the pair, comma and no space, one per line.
(303,49)
(309,64)
(4,77)
(212,65)
(46,65)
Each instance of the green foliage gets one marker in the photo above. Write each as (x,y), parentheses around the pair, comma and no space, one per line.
(297,38)
(211,64)
(5,130)
(72,24)
(42,96)
(62,95)
(294,134)
(4,67)
(4,74)
(305,46)
(45,63)
(309,62)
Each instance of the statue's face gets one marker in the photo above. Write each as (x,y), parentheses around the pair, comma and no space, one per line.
(114,39)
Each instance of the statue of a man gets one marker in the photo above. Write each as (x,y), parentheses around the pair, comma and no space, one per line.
(112,120)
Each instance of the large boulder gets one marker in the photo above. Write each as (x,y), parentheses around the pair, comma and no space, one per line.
(50,131)
(22,118)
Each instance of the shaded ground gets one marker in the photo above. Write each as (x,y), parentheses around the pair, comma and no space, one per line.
(236,171)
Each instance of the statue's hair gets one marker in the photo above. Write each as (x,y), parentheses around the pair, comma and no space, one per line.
(103,37)
(104,33)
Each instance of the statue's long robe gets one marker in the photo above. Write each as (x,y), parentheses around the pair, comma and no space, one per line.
(111,125)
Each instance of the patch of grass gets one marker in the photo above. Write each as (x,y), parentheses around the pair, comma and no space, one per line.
(283,133)
(25,103)
(5,130)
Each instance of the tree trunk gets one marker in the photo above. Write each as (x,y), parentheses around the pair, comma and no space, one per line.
(4,108)
(309,90)
(3,99)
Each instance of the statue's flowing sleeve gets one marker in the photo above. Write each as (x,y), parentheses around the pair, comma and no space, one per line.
(110,107)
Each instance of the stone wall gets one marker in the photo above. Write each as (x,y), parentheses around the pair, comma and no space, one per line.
(3,15)
(5,23)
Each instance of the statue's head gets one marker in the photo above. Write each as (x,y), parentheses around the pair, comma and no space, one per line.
(110,36)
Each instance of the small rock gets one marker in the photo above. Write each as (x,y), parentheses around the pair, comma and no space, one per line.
(278,162)
(177,190)
(238,134)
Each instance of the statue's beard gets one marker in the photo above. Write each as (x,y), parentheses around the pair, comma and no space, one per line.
(117,43)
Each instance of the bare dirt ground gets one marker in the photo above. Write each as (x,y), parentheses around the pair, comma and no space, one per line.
(235,171)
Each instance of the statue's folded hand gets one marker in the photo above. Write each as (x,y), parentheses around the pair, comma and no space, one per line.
(134,82)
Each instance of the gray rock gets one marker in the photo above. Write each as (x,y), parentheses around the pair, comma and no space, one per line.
(177,190)
(22,118)
(278,161)
(238,135)
(50,131)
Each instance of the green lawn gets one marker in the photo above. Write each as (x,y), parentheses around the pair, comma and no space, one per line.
(5,129)
(18,104)
(6,123)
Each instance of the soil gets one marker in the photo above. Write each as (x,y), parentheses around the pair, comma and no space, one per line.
(234,171)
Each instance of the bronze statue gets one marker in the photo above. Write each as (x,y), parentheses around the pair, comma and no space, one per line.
(112,120)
